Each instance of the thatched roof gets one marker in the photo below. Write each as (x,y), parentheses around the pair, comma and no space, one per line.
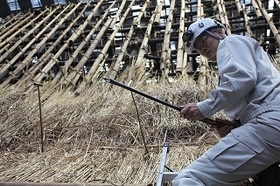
(94,132)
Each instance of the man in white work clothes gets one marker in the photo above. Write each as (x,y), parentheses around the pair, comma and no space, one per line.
(248,92)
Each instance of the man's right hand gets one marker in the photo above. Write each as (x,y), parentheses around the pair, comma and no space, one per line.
(224,130)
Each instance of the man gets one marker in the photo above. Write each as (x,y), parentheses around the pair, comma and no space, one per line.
(248,92)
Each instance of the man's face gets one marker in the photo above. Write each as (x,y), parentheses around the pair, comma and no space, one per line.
(207,46)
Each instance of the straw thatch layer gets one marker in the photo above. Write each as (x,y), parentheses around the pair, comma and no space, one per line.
(106,134)
(96,136)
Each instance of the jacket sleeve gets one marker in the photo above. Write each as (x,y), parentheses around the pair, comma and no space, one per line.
(237,72)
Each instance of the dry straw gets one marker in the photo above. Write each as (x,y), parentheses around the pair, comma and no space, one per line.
(95,137)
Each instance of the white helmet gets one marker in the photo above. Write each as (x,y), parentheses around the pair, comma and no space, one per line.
(197,28)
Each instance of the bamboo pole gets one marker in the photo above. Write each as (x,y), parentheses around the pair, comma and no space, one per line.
(158,12)
(4,45)
(53,61)
(101,56)
(223,15)
(203,62)
(164,63)
(25,81)
(16,26)
(181,62)
(29,57)
(200,11)
(169,63)
(80,30)
(142,12)
(89,36)
(68,77)
(247,22)
(74,76)
(95,76)
(24,64)
(22,51)
(7,42)
(9,22)
(186,64)
(46,56)
(257,9)
(277,3)
(113,72)
(269,20)
(76,34)
(240,10)
(28,46)
(140,62)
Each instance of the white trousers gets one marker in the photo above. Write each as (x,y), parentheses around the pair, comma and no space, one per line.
(244,152)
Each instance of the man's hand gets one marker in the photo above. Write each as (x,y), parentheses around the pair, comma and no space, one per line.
(191,112)
(223,131)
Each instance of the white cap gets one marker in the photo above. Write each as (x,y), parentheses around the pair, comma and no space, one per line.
(197,28)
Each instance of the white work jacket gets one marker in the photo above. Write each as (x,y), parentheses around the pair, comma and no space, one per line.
(249,83)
